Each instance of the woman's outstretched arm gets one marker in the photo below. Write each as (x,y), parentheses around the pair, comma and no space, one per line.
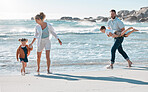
(54,34)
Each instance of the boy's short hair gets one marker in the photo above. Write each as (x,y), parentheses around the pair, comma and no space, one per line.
(102,27)
(23,39)
(113,10)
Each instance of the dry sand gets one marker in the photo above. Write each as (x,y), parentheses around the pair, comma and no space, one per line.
(117,80)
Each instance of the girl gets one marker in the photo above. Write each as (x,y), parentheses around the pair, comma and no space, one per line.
(22,53)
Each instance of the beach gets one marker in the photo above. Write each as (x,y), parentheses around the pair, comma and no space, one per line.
(118,80)
(79,65)
(84,47)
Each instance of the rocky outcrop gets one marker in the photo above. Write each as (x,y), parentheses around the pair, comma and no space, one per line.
(105,19)
(32,18)
(66,18)
(102,19)
(131,19)
(78,19)
(90,19)
(134,16)
(125,15)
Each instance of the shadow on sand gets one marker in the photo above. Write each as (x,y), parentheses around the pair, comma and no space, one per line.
(76,78)
(137,68)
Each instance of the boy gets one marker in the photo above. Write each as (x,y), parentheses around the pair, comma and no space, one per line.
(113,33)
(22,53)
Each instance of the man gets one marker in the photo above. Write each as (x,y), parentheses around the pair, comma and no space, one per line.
(116,24)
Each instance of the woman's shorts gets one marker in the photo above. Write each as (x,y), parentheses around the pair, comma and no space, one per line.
(45,43)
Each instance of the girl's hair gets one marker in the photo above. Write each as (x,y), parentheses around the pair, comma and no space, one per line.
(40,16)
(23,39)
(102,27)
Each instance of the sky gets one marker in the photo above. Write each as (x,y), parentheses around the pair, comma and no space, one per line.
(54,9)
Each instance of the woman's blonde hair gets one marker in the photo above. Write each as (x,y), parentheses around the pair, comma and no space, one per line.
(40,16)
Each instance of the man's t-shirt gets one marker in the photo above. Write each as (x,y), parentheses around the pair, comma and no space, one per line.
(115,24)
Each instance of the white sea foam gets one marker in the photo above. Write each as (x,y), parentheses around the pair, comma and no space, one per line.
(90,49)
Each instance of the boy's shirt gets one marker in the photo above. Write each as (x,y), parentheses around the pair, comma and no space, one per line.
(107,31)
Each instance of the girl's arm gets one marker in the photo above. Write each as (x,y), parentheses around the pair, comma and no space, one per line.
(17,54)
(110,34)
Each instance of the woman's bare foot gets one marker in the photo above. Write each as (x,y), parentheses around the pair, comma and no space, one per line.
(21,70)
(38,71)
(48,72)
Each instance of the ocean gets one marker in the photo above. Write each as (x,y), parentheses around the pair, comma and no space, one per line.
(84,47)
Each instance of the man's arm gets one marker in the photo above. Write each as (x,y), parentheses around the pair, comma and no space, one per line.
(122,29)
(110,34)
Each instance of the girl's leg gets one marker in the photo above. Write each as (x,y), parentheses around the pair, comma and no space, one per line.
(38,60)
(25,64)
(23,67)
(48,60)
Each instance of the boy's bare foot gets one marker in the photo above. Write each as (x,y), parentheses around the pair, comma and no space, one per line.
(131,28)
(135,30)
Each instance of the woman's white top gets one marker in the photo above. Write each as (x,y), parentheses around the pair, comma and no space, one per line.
(38,33)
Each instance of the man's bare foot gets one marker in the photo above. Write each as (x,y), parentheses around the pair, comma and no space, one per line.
(129,63)
(110,67)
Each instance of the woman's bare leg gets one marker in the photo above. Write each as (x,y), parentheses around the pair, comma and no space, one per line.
(38,60)
(48,60)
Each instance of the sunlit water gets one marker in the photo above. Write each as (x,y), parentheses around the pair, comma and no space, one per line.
(84,47)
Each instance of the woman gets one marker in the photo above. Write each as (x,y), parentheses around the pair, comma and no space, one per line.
(43,32)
